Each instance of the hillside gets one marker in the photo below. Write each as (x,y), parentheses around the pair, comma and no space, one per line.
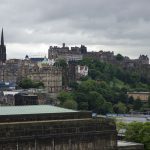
(105,89)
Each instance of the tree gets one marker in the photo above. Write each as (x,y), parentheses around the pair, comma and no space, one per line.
(119,57)
(107,107)
(81,97)
(86,86)
(133,132)
(96,101)
(138,132)
(64,96)
(94,73)
(83,106)
(70,104)
(145,135)
(137,104)
(149,101)
(28,83)
(73,85)
(120,108)
(121,125)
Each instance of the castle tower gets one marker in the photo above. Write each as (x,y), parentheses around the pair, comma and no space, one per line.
(2,49)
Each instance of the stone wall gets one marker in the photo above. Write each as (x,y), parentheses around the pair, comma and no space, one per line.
(69,134)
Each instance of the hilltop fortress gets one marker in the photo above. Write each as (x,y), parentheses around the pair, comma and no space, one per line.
(78,53)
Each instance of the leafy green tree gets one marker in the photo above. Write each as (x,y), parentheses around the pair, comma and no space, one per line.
(145,135)
(106,86)
(28,83)
(73,85)
(87,86)
(131,100)
(70,104)
(121,125)
(94,74)
(137,104)
(138,132)
(64,96)
(96,101)
(107,107)
(81,97)
(83,106)
(99,104)
(120,108)
(133,132)
(149,101)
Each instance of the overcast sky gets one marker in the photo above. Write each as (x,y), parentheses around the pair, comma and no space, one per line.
(31,26)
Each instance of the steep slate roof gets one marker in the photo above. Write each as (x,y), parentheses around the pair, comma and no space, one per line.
(36,59)
(32,109)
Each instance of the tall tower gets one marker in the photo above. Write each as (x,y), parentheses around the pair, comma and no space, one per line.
(2,49)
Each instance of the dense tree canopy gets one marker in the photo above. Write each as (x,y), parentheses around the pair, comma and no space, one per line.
(105,89)
(136,132)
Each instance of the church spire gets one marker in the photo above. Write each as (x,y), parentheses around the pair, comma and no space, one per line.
(2,38)
(2,49)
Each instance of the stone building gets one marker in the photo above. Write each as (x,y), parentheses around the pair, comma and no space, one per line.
(143,59)
(143,96)
(15,70)
(104,56)
(9,71)
(75,54)
(26,99)
(6,99)
(45,127)
(50,76)
(126,62)
(81,71)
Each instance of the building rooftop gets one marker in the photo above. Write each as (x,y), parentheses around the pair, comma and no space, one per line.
(32,109)
(38,59)
(138,92)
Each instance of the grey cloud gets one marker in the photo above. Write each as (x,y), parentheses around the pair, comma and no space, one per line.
(122,23)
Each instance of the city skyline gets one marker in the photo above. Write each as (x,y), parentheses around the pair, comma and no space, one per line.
(31,27)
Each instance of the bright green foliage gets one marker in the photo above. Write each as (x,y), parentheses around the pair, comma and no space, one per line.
(87,86)
(67,100)
(107,72)
(145,135)
(64,96)
(139,132)
(121,125)
(70,104)
(28,83)
(112,84)
(120,108)
(133,132)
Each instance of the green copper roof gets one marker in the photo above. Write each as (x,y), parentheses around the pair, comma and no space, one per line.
(32,109)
